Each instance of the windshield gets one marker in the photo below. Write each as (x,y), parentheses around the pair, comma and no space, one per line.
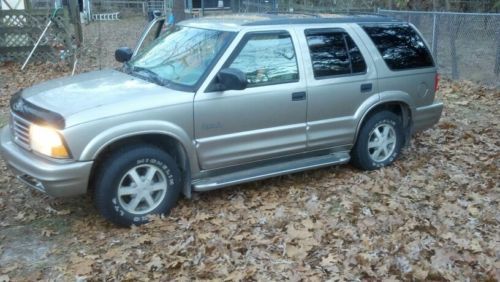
(181,55)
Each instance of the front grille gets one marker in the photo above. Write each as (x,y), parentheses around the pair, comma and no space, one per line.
(21,131)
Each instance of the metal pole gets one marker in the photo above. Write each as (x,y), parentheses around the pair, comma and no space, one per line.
(36,44)
(497,57)
(7,4)
(434,34)
(74,67)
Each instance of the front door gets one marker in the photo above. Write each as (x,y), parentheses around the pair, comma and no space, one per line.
(265,120)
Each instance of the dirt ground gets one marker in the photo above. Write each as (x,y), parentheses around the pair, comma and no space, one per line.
(433,215)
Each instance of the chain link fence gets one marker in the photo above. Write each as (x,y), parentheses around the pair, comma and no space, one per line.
(110,24)
(302,6)
(107,25)
(464,45)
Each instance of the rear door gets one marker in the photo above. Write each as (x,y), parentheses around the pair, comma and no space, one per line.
(265,120)
(340,77)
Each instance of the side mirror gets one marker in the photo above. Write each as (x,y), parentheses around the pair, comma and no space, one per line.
(231,79)
(123,54)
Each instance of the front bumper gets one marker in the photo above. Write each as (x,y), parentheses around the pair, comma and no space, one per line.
(427,116)
(54,177)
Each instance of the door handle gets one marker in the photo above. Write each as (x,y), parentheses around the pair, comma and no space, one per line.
(299,96)
(366,87)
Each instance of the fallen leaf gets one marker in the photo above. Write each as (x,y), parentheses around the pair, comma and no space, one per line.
(48,233)
(9,268)
(441,260)
(295,252)
(294,233)
(83,267)
(155,264)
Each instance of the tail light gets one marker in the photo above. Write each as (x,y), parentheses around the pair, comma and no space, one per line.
(436,87)
(436,82)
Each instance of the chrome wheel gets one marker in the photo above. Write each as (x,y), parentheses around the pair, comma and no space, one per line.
(381,142)
(142,189)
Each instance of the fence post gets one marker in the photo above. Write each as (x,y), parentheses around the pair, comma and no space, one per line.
(453,32)
(74,13)
(497,59)
(435,29)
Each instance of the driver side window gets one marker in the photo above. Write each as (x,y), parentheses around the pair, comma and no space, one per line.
(267,59)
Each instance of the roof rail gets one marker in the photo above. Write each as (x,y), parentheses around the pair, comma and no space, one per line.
(293,13)
(367,14)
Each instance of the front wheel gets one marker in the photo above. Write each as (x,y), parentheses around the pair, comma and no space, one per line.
(136,182)
(379,141)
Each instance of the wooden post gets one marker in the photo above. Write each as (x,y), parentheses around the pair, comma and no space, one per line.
(74,13)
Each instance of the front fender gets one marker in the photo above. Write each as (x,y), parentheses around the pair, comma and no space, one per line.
(136,128)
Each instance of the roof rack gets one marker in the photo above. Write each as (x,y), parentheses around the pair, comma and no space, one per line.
(367,14)
(323,15)
(293,13)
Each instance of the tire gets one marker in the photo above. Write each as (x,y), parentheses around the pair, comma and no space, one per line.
(135,182)
(385,126)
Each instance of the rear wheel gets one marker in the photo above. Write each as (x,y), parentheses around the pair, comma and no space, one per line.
(136,182)
(379,141)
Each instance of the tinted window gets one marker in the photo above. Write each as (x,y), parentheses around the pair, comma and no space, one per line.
(400,46)
(334,53)
(267,59)
(357,61)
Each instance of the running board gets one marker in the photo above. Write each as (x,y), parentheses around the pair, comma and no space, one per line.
(268,171)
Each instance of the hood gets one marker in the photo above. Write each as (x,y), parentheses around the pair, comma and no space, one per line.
(70,95)
(96,92)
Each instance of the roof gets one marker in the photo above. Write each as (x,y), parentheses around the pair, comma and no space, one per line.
(237,21)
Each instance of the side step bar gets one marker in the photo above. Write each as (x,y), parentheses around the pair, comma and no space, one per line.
(268,171)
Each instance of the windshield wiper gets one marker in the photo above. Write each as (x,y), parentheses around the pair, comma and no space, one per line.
(151,75)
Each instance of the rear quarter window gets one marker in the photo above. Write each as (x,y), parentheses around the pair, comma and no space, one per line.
(333,53)
(400,46)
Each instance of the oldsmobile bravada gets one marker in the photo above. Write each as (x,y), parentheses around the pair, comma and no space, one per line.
(215,102)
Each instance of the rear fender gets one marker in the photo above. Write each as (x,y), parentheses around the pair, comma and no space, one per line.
(385,97)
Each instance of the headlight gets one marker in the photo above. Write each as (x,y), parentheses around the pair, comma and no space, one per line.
(47,141)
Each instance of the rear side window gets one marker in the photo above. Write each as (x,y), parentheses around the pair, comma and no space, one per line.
(333,52)
(400,46)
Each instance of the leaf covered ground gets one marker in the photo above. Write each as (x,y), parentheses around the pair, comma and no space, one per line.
(433,215)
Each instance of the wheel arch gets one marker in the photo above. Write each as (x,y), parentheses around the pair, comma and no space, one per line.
(163,140)
(401,107)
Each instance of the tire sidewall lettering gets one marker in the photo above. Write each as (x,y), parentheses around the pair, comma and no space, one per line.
(159,164)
